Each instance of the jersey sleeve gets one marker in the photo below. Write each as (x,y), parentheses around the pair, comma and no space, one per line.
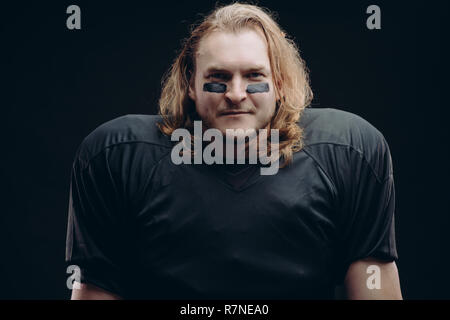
(96,226)
(367,228)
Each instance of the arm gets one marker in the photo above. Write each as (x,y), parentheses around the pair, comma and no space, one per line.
(91,292)
(357,277)
(95,241)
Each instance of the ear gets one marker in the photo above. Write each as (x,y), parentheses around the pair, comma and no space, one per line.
(191,90)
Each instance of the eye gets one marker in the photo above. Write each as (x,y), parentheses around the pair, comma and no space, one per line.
(221,76)
(255,75)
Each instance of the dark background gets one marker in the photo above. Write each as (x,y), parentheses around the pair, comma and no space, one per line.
(59,84)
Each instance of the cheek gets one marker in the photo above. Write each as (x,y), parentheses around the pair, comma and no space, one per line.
(207,102)
(265,102)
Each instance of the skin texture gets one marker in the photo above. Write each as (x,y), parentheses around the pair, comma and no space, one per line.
(237,58)
(236,54)
(91,292)
(356,281)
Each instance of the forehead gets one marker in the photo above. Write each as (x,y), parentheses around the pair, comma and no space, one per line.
(233,51)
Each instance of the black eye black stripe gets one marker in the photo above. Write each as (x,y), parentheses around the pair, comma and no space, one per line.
(215,87)
(258,87)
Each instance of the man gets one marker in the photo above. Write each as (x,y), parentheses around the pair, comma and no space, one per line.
(141,226)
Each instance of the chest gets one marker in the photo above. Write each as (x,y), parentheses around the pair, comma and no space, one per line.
(198,229)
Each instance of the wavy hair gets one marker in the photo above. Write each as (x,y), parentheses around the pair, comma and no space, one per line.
(290,75)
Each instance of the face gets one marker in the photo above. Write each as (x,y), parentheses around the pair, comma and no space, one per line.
(236,71)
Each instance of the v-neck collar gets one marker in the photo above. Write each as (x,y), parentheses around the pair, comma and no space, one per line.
(236,176)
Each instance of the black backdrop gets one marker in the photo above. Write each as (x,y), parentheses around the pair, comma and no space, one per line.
(59,84)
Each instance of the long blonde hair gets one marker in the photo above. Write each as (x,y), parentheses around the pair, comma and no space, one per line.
(290,76)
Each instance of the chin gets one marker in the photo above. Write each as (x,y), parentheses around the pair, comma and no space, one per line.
(235,124)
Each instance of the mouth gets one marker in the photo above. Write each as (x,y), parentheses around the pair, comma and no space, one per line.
(233,113)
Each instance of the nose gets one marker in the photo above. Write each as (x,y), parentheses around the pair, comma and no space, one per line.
(236,92)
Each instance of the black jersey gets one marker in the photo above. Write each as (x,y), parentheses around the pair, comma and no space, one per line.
(142,227)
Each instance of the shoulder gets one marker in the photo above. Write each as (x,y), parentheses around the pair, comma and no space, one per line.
(128,129)
(335,126)
(336,134)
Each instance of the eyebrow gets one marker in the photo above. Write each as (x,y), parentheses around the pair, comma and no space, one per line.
(212,69)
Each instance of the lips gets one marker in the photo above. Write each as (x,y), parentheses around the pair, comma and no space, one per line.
(233,112)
